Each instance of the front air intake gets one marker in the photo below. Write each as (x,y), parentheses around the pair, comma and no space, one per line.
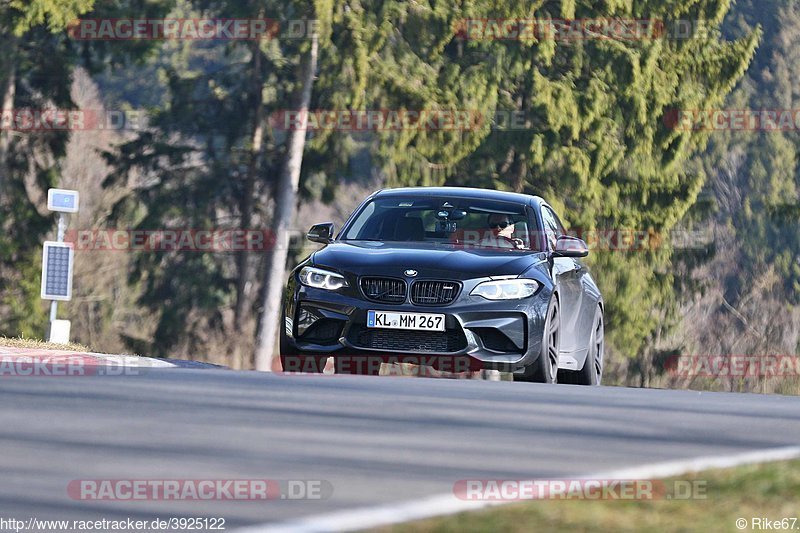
(434,292)
(384,290)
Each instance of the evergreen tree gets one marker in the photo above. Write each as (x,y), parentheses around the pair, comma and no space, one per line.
(594,143)
(35,70)
(215,158)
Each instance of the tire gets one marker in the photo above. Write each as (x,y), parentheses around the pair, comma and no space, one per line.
(592,371)
(357,365)
(304,364)
(545,368)
(295,362)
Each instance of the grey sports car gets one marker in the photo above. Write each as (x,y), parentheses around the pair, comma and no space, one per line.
(447,274)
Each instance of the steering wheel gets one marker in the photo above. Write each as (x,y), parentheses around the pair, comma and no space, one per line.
(515,243)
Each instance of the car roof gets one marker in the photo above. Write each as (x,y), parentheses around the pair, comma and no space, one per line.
(462,192)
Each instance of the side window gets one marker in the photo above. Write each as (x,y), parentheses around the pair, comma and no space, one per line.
(559,226)
(551,227)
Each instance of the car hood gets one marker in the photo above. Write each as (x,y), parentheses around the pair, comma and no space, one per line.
(428,259)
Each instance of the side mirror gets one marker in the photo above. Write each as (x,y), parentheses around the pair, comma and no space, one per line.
(321,233)
(570,247)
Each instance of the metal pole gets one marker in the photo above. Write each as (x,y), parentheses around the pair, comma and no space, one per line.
(62,226)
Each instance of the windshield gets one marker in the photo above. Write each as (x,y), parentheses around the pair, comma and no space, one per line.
(464,221)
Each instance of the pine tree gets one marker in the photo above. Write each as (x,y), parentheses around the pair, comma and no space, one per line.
(216,158)
(595,142)
(35,72)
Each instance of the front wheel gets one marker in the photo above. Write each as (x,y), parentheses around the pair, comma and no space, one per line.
(293,361)
(304,364)
(592,371)
(358,365)
(545,368)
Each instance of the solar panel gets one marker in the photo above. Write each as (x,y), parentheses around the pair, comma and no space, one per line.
(57,260)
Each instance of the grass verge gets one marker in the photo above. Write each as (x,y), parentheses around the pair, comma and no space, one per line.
(21,342)
(767,491)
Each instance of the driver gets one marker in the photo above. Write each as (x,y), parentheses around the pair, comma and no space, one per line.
(501,234)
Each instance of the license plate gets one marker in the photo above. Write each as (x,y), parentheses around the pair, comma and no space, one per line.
(419,321)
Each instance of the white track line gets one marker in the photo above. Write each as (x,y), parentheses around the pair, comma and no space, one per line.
(447,504)
(12,356)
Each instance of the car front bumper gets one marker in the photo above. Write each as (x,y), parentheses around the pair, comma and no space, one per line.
(504,335)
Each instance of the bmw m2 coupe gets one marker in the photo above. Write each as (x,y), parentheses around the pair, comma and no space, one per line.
(447,274)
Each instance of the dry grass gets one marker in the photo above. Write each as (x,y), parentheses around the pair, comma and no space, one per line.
(21,342)
(769,491)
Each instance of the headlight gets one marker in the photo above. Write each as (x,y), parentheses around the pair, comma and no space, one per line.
(322,279)
(506,289)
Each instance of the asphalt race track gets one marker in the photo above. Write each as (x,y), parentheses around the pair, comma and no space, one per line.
(376,440)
